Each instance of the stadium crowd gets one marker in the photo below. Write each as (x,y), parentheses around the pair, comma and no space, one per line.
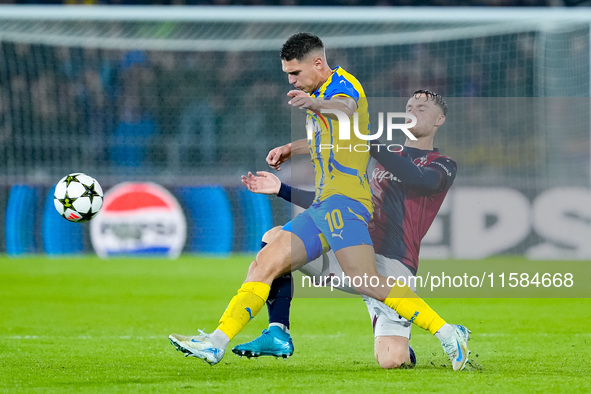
(166,112)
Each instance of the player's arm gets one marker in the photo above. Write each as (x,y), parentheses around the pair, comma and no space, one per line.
(299,197)
(266,183)
(339,102)
(435,178)
(281,154)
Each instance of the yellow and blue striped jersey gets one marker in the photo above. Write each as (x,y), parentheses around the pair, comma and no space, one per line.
(342,169)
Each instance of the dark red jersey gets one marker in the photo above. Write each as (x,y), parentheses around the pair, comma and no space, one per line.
(406,201)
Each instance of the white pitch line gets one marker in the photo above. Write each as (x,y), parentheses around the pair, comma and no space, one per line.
(303,336)
(80,337)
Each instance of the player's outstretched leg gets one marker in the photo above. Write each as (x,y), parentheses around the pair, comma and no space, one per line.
(286,251)
(275,341)
(453,337)
(241,309)
(358,261)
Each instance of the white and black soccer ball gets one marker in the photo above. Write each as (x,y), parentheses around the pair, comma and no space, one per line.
(78,197)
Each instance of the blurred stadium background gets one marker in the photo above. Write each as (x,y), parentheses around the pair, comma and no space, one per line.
(190,98)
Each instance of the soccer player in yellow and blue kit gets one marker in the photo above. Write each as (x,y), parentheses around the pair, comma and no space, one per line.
(342,206)
(337,219)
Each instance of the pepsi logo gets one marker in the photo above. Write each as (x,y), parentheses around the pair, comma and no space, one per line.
(139,219)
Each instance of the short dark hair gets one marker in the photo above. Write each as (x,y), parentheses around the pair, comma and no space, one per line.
(431,95)
(300,45)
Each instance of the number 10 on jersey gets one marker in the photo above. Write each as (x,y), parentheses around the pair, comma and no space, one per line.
(335,220)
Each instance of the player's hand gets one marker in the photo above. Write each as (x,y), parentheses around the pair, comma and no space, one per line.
(262,183)
(278,156)
(300,99)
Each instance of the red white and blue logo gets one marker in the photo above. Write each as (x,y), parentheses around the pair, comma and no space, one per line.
(139,219)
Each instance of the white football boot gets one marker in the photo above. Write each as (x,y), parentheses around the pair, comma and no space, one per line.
(199,346)
(456,347)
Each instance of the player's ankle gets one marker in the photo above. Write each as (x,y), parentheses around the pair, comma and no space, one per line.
(282,326)
(445,331)
(219,339)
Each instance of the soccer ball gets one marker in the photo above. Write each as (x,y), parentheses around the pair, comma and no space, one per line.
(78,197)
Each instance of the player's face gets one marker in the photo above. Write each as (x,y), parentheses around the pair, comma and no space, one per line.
(304,75)
(429,115)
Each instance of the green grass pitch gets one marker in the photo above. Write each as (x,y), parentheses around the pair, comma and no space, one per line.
(83,324)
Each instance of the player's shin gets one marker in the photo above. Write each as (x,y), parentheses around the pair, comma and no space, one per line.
(243,307)
(279,300)
(410,306)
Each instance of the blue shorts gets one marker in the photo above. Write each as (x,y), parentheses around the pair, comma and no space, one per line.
(335,223)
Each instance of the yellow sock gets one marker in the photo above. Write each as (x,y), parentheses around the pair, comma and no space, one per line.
(243,307)
(412,307)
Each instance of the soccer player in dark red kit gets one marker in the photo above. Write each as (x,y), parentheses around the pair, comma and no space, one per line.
(408,189)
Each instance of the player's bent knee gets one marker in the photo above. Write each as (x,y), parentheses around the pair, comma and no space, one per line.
(271,234)
(392,360)
(270,257)
(260,272)
(392,352)
(269,264)
(390,365)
